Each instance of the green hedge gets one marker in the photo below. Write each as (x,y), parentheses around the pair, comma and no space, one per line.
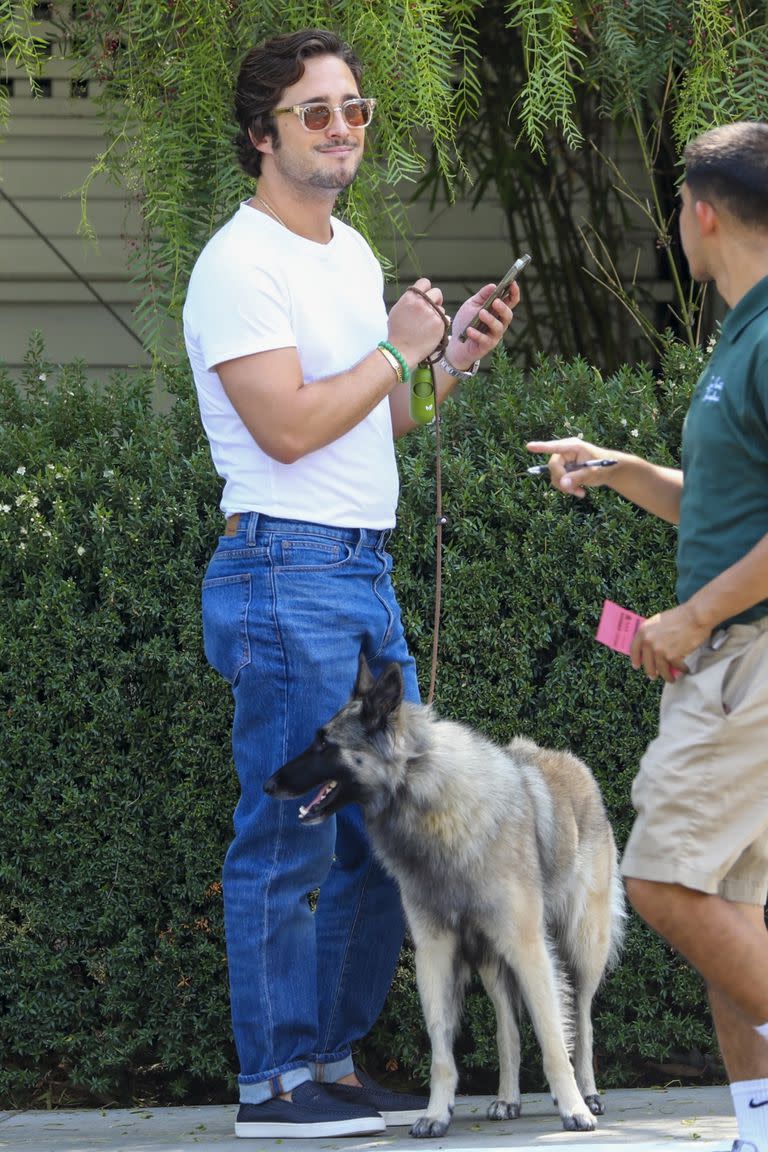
(116,785)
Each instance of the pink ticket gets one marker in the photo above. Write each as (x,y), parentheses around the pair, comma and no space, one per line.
(617,629)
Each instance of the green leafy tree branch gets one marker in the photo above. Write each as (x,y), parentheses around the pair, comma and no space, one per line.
(538,101)
(20,45)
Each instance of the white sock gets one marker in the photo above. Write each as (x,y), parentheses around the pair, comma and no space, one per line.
(750,1103)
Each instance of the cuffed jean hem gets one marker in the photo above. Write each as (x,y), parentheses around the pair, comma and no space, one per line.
(329,1071)
(258,1091)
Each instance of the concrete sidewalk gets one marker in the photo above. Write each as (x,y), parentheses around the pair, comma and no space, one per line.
(648,1119)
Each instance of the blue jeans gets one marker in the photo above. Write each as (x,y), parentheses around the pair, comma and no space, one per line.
(287,608)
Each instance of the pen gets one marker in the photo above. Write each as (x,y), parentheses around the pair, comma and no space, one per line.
(571,466)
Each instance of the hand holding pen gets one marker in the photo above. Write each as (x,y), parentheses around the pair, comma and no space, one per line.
(571,466)
(572,454)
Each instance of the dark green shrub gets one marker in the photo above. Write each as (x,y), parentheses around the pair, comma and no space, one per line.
(115,773)
(116,786)
(525,572)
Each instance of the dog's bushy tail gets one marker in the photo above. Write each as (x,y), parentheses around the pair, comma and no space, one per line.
(618,916)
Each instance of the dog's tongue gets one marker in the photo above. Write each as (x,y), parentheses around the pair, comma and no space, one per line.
(326,788)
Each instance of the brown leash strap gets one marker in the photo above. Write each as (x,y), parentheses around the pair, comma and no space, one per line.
(440,519)
(441,347)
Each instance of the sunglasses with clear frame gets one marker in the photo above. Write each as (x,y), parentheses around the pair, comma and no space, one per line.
(316,115)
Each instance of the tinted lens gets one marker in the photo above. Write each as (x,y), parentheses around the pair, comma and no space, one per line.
(356,113)
(317,116)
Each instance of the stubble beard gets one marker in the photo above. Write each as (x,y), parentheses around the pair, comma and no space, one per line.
(322,179)
(333,181)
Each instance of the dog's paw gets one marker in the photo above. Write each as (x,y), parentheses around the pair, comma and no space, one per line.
(427,1126)
(579,1121)
(595,1105)
(503,1110)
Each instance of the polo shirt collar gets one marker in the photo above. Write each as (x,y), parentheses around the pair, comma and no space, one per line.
(751,305)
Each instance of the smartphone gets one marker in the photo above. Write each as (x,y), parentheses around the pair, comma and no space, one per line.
(501,290)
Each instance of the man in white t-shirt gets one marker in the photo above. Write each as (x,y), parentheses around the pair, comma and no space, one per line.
(302,380)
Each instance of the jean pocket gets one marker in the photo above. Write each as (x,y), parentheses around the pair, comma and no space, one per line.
(312,553)
(226,600)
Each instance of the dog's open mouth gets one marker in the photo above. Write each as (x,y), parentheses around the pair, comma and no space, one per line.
(314,810)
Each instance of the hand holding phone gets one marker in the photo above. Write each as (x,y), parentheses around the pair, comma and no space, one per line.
(500,291)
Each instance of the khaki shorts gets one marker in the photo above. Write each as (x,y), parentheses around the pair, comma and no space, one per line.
(701,794)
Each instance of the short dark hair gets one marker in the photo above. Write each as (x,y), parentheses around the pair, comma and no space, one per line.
(265,73)
(729,166)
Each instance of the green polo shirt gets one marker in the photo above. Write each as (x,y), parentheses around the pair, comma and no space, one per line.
(724,508)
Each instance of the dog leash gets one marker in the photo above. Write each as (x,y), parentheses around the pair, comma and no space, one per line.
(440,520)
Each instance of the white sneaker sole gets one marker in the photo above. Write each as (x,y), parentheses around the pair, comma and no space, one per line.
(274,1130)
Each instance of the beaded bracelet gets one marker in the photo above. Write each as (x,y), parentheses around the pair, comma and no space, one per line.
(385,345)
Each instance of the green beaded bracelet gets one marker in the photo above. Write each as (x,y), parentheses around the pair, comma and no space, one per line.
(398,356)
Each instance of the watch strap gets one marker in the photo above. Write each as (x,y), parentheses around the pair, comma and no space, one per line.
(446,366)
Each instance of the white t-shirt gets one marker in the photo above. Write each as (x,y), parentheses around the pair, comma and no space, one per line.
(255,287)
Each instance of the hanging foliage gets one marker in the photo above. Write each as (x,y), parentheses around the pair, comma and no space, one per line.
(19,45)
(710,55)
(525,97)
(584,112)
(166,72)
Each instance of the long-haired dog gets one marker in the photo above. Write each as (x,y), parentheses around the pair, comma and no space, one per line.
(506,863)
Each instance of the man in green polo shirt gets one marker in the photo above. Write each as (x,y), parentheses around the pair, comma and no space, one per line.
(696,864)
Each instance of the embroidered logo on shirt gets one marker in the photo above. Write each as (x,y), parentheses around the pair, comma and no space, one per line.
(714,388)
(758,1103)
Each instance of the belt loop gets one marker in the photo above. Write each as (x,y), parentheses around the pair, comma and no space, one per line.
(718,638)
(253,524)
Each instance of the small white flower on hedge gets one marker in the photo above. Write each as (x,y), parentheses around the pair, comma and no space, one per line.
(80,550)
(634,432)
(21,470)
(5,507)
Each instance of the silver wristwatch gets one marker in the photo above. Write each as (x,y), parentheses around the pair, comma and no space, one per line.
(446,366)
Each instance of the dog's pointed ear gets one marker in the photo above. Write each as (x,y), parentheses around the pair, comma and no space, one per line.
(382,698)
(364,681)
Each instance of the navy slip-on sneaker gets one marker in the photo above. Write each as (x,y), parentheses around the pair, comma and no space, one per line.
(313,1111)
(396,1107)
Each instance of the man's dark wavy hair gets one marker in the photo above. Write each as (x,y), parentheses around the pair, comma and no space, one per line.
(729,166)
(267,70)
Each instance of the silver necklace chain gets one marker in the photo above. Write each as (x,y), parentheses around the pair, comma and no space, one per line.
(270,209)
